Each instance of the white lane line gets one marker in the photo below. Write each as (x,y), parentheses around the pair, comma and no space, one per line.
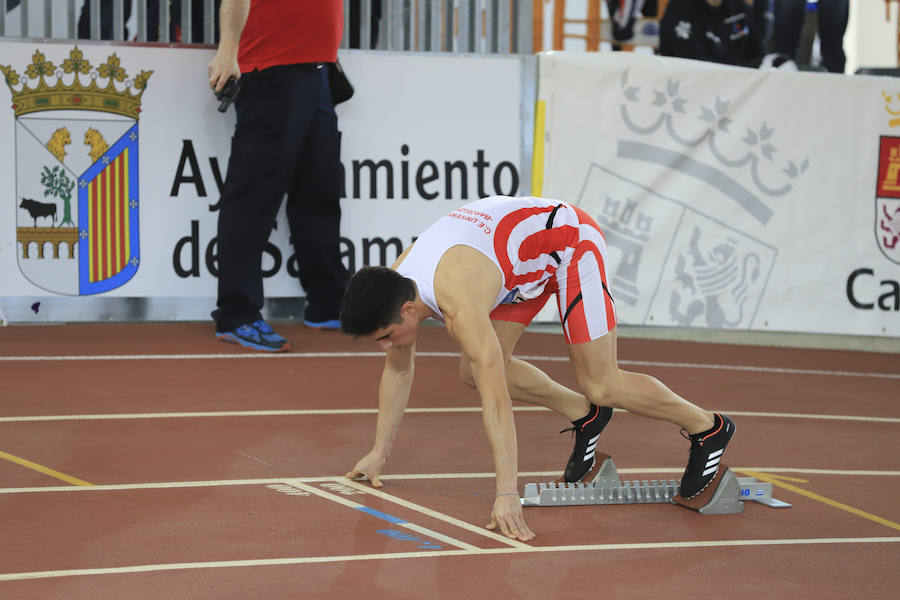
(434,514)
(433,554)
(372,411)
(269,356)
(752,369)
(277,356)
(738,413)
(407,476)
(227,564)
(644,471)
(401,522)
(159,485)
(848,472)
(259,356)
(194,415)
(251,413)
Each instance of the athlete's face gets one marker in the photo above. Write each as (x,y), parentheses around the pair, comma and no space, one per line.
(398,335)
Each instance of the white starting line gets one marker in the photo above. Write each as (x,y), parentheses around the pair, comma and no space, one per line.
(355,355)
(441,553)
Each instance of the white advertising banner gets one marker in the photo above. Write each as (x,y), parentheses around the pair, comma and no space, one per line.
(730,198)
(113,157)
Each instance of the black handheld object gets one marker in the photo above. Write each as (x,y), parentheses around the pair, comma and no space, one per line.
(227,94)
(341,88)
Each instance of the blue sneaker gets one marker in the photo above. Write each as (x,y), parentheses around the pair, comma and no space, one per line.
(268,334)
(320,325)
(258,336)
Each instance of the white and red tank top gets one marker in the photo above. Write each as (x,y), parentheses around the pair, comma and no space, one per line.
(527,238)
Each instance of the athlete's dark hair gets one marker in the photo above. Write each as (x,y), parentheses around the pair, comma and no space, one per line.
(373,299)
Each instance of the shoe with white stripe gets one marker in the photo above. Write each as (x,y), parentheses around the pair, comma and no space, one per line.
(707,448)
(587,431)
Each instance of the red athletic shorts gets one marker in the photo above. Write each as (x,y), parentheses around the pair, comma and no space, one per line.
(582,295)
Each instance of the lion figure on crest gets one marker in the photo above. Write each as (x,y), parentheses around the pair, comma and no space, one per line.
(94,139)
(58,142)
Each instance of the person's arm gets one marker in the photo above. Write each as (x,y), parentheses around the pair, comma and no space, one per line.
(393,397)
(232,18)
(472,330)
(465,287)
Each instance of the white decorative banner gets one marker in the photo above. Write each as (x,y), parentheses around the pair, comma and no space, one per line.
(730,198)
(115,155)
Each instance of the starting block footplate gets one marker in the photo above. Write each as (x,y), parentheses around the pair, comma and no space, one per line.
(727,498)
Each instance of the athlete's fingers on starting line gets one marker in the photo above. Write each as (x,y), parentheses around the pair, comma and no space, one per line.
(512,528)
(496,524)
(360,476)
(525,532)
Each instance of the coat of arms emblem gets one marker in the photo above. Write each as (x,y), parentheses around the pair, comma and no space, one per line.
(76,172)
(887,199)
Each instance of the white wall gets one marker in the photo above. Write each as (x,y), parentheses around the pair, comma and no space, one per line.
(871,39)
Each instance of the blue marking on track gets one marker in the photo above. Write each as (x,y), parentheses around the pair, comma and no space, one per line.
(381,515)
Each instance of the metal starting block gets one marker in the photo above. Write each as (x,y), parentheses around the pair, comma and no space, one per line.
(607,489)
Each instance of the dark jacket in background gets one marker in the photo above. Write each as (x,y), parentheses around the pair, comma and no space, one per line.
(725,34)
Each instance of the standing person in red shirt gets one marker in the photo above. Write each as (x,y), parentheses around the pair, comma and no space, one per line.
(286,140)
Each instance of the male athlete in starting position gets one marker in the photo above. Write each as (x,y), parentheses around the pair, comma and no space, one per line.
(485,270)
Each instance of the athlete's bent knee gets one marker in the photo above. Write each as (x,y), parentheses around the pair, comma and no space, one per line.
(604,393)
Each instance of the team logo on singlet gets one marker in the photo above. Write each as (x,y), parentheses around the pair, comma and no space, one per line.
(513,297)
(76,138)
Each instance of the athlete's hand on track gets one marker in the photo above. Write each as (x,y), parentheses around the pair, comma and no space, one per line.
(507,515)
(369,467)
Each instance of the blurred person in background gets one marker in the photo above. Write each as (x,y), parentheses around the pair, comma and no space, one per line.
(176,34)
(722,31)
(831,20)
(354,16)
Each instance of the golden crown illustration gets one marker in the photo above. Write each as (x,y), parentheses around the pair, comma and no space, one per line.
(673,110)
(44,86)
(888,106)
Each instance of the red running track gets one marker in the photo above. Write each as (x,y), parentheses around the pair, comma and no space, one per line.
(150,461)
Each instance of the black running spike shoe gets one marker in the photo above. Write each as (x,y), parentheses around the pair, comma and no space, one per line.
(707,448)
(587,431)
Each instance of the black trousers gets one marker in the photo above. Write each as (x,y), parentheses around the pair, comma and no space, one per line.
(832,18)
(286,140)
